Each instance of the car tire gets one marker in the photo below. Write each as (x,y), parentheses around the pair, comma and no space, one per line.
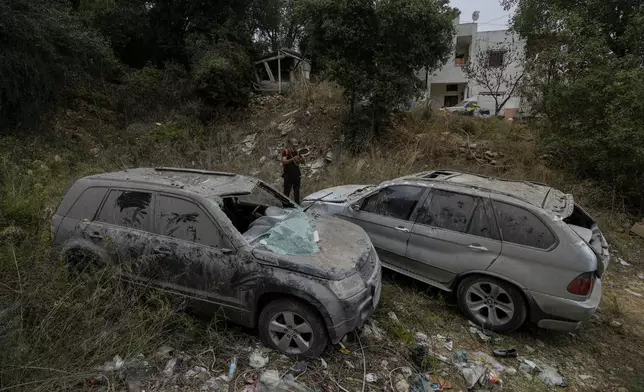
(493,303)
(81,263)
(278,328)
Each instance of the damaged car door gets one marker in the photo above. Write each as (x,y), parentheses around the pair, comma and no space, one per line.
(385,216)
(192,256)
(123,227)
(454,233)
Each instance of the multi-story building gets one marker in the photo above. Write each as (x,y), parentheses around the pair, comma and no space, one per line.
(449,85)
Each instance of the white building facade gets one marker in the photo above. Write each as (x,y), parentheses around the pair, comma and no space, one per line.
(450,86)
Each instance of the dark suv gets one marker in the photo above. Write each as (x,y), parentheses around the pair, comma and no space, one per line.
(227,243)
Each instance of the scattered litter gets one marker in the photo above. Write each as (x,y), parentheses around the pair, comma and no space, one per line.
(345,351)
(483,337)
(640,276)
(169,367)
(460,356)
(262,159)
(287,126)
(393,317)
(257,359)
(232,369)
(270,381)
(505,353)
(196,371)
(371,331)
(422,339)
(529,349)
(615,323)
(510,371)
(623,262)
(527,366)
(473,372)
(585,377)
(419,357)
(211,384)
(638,229)
(449,345)
(401,384)
(164,351)
(488,360)
(442,358)
(371,377)
(384,364)
(329,156)
(349,364)
(110,366)
(290,113)
(248,144)
(158,124)
(324,364)
(550,376)
(631,292)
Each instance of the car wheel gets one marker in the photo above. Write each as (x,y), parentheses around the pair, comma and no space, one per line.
(292,328)
(82,264)
(492,303)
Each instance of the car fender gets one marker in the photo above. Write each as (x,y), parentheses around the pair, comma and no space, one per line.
(466,274)
(274,288)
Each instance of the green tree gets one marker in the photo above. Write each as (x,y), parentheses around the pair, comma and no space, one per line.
(277,23)
(373,49)
(584,72)
(45,51)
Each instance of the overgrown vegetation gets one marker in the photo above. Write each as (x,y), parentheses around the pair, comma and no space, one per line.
(584,64)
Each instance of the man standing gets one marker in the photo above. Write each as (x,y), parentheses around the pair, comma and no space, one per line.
(291,161)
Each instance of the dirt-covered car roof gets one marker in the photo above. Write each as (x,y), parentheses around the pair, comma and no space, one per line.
(206,183)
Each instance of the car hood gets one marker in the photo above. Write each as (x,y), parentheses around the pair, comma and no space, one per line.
(344,249)
(338,194)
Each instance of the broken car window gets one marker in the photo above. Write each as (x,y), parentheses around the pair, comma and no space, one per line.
(128,209)
(395,201)
(262,196)
(184,220)
(522,227)
(447,210)
(482,223)
(291,235)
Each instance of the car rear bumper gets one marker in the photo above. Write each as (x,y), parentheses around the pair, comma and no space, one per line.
(563,314)
(359,308)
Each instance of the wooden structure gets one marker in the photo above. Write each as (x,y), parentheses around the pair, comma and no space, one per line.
(279,71)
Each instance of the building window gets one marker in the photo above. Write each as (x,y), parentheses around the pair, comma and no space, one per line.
(495,58)
(451,87)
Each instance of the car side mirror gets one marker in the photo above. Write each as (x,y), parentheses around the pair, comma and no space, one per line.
(355,207)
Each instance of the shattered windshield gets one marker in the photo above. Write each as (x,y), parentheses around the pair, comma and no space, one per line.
(291,234)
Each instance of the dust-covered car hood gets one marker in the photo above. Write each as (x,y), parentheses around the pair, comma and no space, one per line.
(343,249)
(338,194)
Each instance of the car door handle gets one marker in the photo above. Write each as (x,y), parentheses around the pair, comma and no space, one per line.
(403,229)
(477,247)
(96,236)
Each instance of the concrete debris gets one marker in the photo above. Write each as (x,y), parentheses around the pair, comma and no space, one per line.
(393,317)
(110,366)
(638,229)
(623,262)
(257,359)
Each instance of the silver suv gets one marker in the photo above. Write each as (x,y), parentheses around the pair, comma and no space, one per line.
(510,250)
(225,242)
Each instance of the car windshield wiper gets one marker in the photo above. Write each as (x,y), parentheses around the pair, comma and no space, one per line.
(316,200)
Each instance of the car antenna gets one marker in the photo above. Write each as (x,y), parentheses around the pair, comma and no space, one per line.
(315,201)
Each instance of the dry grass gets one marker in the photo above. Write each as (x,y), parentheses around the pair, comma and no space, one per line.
(61,327)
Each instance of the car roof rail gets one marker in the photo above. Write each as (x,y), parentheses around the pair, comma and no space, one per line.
(196,171)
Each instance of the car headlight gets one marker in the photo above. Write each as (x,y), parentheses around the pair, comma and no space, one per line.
(347,287)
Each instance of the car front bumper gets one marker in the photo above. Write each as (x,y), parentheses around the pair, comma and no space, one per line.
(561,314)
(359,307)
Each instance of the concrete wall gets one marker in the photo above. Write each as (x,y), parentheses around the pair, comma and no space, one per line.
(438,92)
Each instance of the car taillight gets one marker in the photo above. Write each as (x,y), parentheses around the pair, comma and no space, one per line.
(583,284)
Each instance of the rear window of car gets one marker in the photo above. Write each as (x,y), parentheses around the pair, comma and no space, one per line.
(87,204)
(130,209)
(522,227)
(397,201)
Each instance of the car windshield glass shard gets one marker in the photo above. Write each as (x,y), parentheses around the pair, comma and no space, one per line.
(292,236)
